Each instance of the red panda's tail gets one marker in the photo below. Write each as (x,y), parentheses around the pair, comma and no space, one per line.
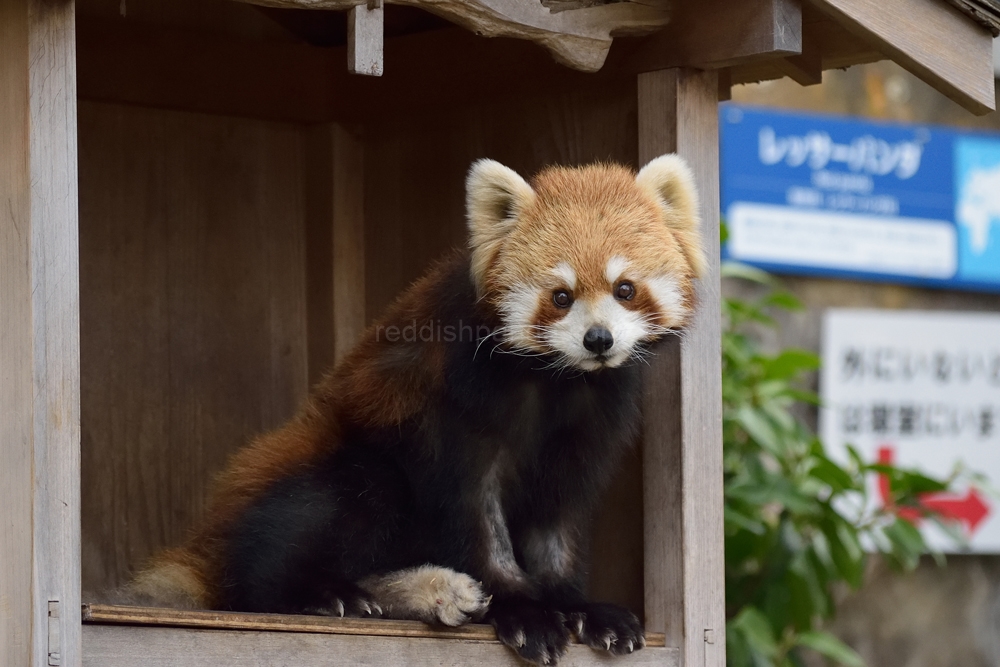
(175,578)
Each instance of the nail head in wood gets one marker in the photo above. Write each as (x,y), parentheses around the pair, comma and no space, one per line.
(365,38)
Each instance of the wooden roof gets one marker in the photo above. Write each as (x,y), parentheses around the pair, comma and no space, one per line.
(948,43)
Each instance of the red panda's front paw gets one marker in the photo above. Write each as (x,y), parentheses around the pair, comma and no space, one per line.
(537,633)
(608,627)
(348,600)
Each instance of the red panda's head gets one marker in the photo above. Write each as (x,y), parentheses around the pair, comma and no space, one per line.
(586,264)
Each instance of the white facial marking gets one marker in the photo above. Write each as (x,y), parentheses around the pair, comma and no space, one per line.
(517,310)
(668,295)
(565,272)
(627,327)
(616,267)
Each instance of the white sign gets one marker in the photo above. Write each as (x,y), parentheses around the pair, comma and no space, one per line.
(820,239)
(920,389)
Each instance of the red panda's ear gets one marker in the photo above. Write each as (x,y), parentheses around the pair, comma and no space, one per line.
(494,196)
(670,181)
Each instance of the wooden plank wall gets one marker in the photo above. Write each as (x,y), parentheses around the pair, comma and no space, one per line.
(193,314)
(39,337)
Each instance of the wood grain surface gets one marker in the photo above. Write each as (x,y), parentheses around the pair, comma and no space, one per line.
(39,336)
(931,39)
(682,409)
(122,646)
(193,326)
(125,615)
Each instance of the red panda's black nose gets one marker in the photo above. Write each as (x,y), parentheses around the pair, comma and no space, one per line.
(598,340)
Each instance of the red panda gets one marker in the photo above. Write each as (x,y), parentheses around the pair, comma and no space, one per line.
(447,469)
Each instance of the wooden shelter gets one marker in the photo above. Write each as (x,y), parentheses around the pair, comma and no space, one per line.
(200,208)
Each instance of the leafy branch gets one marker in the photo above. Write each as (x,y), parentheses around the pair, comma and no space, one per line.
(795,518)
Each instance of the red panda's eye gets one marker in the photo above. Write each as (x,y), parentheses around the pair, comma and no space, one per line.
(561,298)
(625,291)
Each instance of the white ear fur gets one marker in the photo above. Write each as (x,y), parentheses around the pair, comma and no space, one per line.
(669,179)
(494,196)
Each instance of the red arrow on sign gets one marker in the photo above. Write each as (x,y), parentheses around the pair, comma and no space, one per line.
(970,509)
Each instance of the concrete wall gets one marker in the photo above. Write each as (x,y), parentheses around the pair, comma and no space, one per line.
(933,617)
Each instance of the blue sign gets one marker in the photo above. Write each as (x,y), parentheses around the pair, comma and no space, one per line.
(818,195)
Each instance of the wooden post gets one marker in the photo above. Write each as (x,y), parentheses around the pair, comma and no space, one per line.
(365,38)
(39,337)
(682,445)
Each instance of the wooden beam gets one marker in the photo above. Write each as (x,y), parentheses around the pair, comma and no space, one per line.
(931,39)
(228,620)
(805,69)
(682,407)
(39,337)
(716,33)
(365,37)
(123,646)
(579,37)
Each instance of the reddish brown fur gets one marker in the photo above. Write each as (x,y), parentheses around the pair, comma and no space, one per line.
(586,216)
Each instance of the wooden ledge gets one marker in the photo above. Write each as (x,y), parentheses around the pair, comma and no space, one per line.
(183,618)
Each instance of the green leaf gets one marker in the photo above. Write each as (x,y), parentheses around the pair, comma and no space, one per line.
(845,549)
(758,427)
(790,363)
(785,300)
(737,651)
(832,475)
(906,543)
(755,627)
(831,647)
(730,269)
(810,397)
(742,521)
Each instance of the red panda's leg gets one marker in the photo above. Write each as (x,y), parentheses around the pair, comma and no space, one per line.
(535,630)
(553,562)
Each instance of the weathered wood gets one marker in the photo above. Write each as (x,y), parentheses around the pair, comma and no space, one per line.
(365,26)
(39,337)
(193,315)
(225,75)
(682,407)
(119,646)
(335,247)
(805,69)
(220,620)
(579,38)
(132,63)
(931,39)
(348,239)
(716,33)
(16,339)
(318,173)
